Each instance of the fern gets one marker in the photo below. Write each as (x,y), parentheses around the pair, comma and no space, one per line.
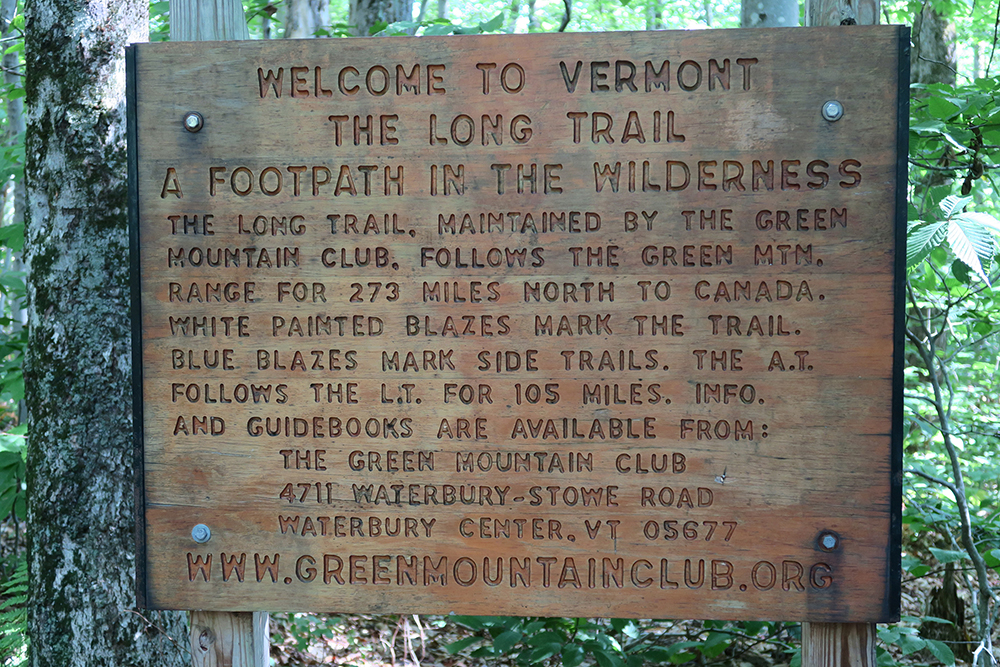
(14,617)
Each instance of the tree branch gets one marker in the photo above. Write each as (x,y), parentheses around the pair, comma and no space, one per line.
(930,478)
(569,12)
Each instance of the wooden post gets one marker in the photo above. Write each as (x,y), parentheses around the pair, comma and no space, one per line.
(229,639)
(219,639)
(840,644)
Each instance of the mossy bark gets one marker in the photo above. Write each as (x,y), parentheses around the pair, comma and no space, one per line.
(78,368)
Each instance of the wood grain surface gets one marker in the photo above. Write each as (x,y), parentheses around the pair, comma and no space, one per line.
(590,325)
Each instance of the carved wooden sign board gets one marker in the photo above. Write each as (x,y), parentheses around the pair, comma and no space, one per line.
(582,325)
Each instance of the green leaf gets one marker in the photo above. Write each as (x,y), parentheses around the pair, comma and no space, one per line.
(941,108)
(922,240)
(12,236)
(910,644)
(972,243)
(931,619)
(494,24)
(982,219)
(953,204)
(607,642)
(658,655)
(608,659)
(461,644)
(544,652)
(992,558)
(753,628)
(572,655)
(928,127)
(533,627)
(961,271)
(945,556)
(507,640)
(6,505)
(889,635)
(439,29)
(547,637)
(715,644)
(941,651)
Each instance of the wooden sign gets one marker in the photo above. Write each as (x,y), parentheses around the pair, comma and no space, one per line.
(584,325)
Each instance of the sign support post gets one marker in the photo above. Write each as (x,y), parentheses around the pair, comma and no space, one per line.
(840,644)
(236,638)
(239,639)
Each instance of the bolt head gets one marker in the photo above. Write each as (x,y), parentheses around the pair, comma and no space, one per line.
(832,110)
(193,121)
(201,533)
(828,541)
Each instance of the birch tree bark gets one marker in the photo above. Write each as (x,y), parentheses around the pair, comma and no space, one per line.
(366,13)
(769,13)
(78,367)
(305,17)
(932,59)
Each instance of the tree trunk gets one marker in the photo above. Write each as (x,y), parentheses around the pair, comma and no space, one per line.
(515,13)
(305,17)
(932,59)
(78,368)
(364,14)
(533,24)
(654,15)
(769,14)
(842,12)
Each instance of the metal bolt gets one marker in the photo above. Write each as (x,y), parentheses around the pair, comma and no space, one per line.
(201,533)
(193,121)
(828,541)
(832,110)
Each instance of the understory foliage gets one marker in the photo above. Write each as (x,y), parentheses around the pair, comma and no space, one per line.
(953,349)
(13,338)
(951,536)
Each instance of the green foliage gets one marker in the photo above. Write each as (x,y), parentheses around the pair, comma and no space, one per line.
(614,642)
(13,455)
(438,27)
(952,403)
(970,236)
(306,629)
(908,641)
(14,617)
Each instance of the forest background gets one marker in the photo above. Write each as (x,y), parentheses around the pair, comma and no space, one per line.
(951,535)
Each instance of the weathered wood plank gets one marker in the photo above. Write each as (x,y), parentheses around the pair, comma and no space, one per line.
(393,372)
